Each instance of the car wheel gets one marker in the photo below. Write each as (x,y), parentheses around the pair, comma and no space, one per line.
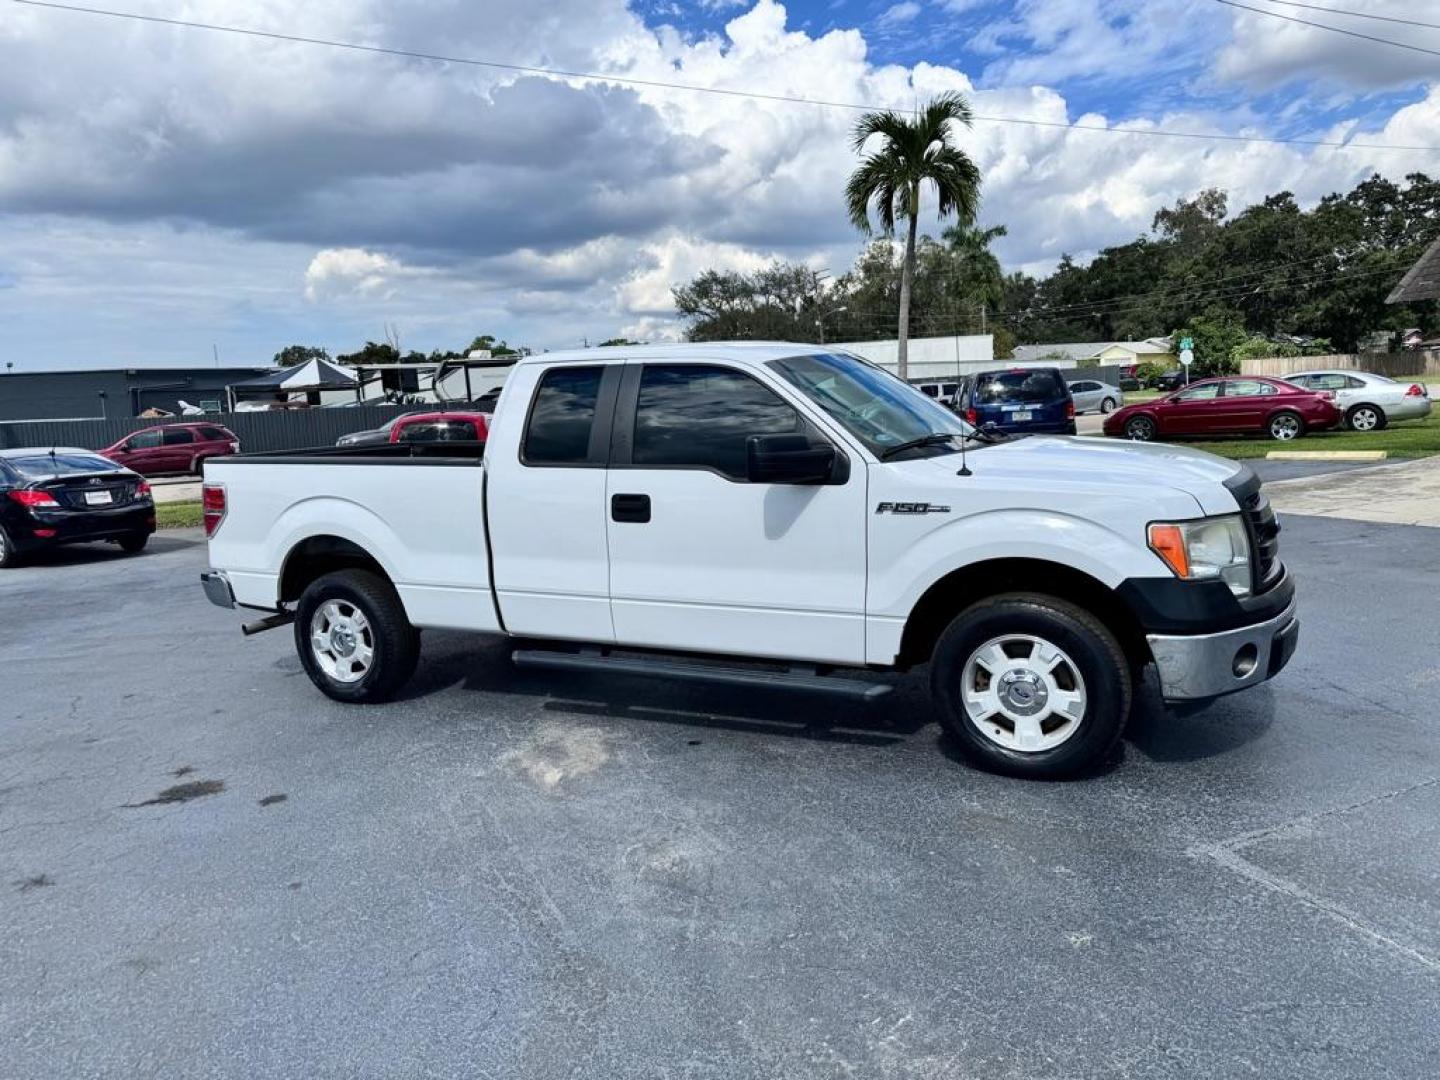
(1140,428)
(1364,418)
(353,637)
(9,556)
(1284,426)
(1031,686)
(134,543)
(1108,405)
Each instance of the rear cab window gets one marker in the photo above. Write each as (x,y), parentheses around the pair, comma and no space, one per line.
(561,428)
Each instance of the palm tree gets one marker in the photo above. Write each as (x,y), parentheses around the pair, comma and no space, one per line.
(979,278)
(917,150)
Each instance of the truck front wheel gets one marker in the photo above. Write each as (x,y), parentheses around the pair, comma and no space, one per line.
(353,637)
(1031,686)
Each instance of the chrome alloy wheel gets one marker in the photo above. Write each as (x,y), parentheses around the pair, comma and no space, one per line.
(1364,418)
(342,641)
(1284,427)
(1023,693)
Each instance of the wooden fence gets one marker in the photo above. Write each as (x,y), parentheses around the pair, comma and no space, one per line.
(1398,365)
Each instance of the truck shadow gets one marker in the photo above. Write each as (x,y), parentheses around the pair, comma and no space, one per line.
(82,554)
(453,661)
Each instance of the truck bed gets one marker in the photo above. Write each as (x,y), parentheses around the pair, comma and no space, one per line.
(417,509)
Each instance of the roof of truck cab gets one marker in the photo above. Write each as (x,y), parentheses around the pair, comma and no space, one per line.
(754,352)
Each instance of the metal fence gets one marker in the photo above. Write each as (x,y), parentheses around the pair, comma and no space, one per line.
(1399,365)
(257,431)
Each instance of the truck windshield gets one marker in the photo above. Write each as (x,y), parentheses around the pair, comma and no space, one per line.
(873,405)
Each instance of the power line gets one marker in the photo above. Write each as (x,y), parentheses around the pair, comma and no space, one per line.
(1357,14)
(627,80)
(1324,26)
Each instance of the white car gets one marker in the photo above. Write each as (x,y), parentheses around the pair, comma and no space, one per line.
(1368,401)
(759,514)
(1092,395)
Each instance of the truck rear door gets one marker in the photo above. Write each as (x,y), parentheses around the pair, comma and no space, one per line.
(545,501)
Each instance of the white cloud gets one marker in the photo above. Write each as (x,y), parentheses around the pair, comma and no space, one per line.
(258,192)
(898,14)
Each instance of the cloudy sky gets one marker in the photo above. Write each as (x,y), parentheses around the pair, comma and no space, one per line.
(166,190)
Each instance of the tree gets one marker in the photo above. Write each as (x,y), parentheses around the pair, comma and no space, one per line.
(783,302)
(295,355)
(374,352)
(915,152)
(486,342)
(617,341)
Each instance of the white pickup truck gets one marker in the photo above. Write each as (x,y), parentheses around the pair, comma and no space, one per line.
(763,514)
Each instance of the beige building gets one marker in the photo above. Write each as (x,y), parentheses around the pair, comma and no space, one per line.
(1123,353)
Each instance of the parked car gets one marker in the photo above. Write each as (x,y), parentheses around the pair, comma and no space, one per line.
(1368,402)
(59,495)
(1028,401)
(942,391)
(1017,401)
(788,508)
(173,448)
(375,437)
(1092,395)
(1231,405)
(449,426)
(1170,380)
(1129,378)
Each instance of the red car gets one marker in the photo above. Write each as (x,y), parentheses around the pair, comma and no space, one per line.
(1233,405)
(172,448)
(441,427)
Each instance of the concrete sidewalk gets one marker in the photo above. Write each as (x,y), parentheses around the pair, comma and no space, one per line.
(1405,493)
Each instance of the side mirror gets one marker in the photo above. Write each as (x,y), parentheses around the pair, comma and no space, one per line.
(787,459)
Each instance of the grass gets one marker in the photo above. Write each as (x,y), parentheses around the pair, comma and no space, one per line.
(178,515)
(1407,439)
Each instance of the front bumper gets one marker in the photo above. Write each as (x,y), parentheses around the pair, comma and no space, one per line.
(1198,666)
(217,588)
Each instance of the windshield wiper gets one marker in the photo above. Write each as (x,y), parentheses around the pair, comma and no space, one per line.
(923,440)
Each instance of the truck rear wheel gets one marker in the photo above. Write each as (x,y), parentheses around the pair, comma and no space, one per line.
(1031,685)
(353,637)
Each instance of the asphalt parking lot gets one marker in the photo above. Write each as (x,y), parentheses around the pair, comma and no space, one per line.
(509,875)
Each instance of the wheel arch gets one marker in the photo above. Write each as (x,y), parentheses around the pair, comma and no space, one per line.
(321,554)
(967,585)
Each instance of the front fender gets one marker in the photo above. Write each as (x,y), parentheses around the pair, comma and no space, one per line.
(895,585)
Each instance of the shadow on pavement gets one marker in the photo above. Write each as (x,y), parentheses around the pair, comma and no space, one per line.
(81,554)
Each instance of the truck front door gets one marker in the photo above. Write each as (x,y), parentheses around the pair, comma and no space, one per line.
(703,559)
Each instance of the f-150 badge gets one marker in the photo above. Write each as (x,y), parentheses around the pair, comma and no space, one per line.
(910,508)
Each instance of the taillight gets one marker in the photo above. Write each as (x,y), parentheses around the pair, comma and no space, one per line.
(142,488)
(234,447)
(1327,395)
(1069,410)
(212,503)
(1416,390)
(972,418)
(34,499)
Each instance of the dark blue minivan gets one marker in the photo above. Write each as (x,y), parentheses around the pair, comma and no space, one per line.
(1018,401)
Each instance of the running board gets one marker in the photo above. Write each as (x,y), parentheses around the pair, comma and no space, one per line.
(594,661)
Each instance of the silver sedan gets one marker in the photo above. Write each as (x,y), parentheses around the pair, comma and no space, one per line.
(1367,401)
(1092,395)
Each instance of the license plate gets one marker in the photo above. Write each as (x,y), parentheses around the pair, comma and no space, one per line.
(98,498)
(1023,414)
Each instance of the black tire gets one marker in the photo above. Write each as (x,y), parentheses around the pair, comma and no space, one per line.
(134,543)
(395,643)
(1089,648)
(1370,417)
(1279,426)
(1140,429)
(1107,405)
(9,556)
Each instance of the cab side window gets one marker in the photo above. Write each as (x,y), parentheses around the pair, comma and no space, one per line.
(700,416)
(1199,393)
(562,417)
(1248,388)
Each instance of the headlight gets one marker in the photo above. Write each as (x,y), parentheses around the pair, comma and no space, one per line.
(1206,550)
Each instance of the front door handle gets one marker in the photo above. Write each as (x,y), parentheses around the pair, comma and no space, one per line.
(633,508)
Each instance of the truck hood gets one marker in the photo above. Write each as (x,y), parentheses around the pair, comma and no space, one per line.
(1092,463)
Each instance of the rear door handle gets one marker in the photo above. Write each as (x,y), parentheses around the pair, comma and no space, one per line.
(633,508)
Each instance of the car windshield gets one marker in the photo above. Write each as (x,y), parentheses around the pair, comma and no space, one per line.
(873,405)
(61,464)
(1035,387)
